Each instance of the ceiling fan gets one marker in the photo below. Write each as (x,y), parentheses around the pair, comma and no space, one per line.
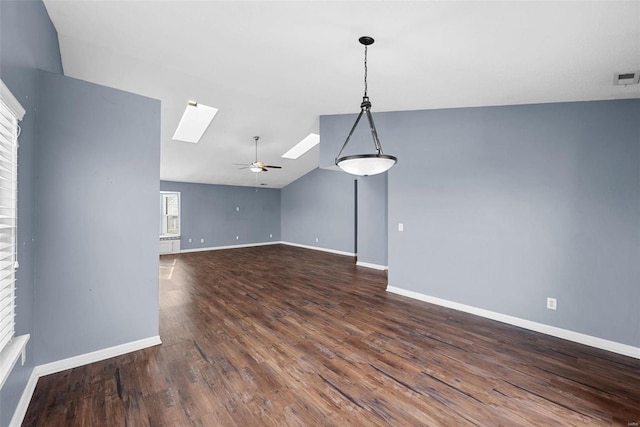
(257,166)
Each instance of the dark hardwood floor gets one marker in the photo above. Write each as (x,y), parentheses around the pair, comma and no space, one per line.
(277,335)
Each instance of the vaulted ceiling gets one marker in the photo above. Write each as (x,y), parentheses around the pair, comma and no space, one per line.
(273,67)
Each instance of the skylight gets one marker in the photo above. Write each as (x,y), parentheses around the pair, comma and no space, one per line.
(302,147)
(194,122)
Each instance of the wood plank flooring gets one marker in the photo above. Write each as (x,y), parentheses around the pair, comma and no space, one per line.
(278,335)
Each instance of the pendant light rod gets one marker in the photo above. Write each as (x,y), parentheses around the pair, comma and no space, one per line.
(365,108)
(374,132)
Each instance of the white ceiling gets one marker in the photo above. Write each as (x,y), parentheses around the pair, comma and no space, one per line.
(273,67)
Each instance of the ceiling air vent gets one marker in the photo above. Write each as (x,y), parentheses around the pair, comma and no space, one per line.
(630,78)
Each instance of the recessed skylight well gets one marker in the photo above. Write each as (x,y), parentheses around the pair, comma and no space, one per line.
(302,147)
(194,122)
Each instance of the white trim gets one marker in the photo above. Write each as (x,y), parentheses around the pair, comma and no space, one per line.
(219,248)
(163,215)
(370,265)
(74,362)
(589,340)
(11,101)
(95,356)
(250,245)
(10,354)
(25,399)
(317,248)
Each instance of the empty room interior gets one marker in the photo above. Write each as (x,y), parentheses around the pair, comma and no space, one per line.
(269,213)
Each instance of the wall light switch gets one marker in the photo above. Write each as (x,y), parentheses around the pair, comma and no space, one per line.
(400,226)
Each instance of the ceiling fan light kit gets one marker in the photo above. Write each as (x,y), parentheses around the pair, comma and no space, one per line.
(372,163)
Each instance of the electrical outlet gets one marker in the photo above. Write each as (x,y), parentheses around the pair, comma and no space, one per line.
(237,208)
(552,303)
(400,226)
(271,236)
(316,240)
(201,240)
(190,240)
(237,237)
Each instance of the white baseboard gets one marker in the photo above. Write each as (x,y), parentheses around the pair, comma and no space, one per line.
(566,334)
(317,248)
(25,399)
(95,356)
(74,362)
(370,265)
(219,248)
(249,245)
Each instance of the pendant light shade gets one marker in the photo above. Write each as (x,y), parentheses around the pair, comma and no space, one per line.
(365,164)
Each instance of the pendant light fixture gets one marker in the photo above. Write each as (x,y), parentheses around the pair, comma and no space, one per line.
(365,164)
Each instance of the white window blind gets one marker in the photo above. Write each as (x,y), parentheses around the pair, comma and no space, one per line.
(8,214)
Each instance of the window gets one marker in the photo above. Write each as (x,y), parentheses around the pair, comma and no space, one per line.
(170,213)
(10,346)
(8,193)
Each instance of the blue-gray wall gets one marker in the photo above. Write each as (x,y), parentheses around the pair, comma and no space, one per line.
(372,219)
(28,42)
(209,212)
(68,296)
(505,206)
(321,205)
(97,224)
(372,197)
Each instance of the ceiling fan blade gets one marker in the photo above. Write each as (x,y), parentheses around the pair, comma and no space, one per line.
(257,166)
